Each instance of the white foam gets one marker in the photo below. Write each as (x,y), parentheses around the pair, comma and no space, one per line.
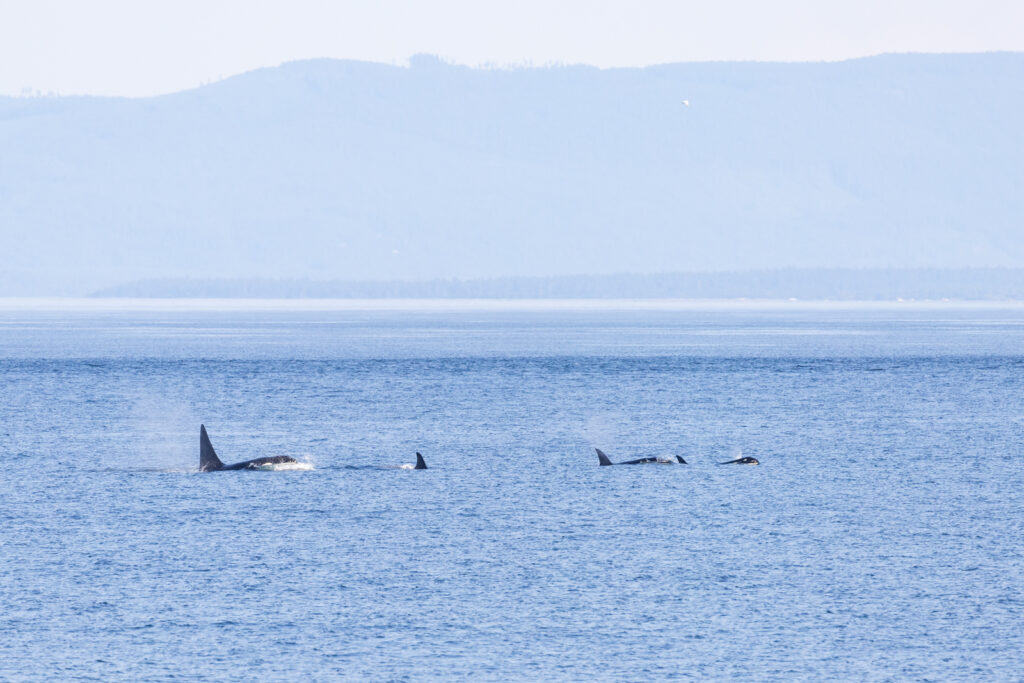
(287,466)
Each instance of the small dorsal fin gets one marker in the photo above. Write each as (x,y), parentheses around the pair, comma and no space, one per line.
(420,463)
(679,459)
(602,458)
(208,460)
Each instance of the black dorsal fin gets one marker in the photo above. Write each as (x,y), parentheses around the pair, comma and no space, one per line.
(679,459)
(208,460)
(420,463)
(602,458)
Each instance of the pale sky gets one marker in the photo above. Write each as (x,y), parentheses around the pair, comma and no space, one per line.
(145,47)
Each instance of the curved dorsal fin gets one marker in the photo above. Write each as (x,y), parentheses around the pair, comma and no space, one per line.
(420,463)
(208,460)
(602,458)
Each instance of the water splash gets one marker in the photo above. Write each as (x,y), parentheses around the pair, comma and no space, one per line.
(287,467)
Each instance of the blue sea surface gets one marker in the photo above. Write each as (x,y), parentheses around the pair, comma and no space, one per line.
(881,538)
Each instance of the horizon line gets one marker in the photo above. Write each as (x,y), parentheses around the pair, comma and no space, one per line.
(525,65)
(200,304)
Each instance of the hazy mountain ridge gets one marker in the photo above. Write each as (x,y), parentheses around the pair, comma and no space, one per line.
(837,285)
(334,170)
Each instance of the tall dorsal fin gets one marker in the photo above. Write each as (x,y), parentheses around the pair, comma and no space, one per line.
(208,460)
(602,458)
(420,463)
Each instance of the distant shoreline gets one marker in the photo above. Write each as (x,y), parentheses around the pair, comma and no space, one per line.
(804,284)
(118,304)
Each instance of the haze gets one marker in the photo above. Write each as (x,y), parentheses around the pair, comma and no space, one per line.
(364,157)
(125,47)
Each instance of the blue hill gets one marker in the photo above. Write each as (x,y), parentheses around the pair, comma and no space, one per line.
(334,170)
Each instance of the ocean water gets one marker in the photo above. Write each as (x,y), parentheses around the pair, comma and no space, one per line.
(881,538)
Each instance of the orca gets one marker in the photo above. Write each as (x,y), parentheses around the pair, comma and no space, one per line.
(603,459)
(209,462)
(742,461)
(420,464)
